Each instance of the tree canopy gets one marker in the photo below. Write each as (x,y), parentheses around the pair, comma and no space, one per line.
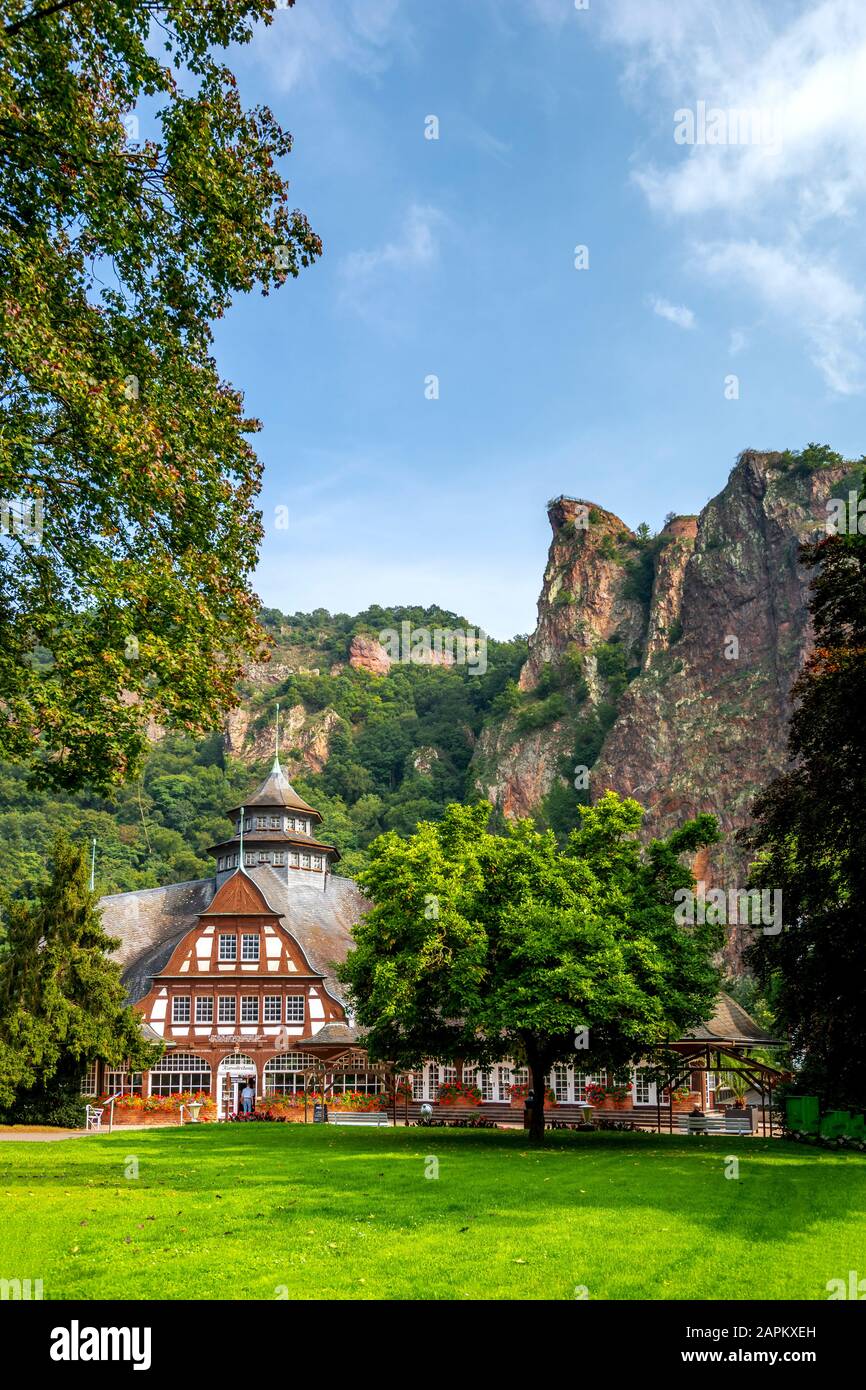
(127,477)
(481,945)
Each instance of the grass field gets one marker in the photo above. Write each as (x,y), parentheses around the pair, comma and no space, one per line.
(265,1211)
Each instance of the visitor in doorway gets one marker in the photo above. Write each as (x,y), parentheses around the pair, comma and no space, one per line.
(248,1095)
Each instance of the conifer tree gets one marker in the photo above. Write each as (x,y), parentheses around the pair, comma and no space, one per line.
(61,997)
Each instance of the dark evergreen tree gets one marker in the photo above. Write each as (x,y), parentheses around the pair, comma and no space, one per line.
(61,997)
(810,834)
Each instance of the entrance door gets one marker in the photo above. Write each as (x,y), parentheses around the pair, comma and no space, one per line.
(232,1075)
(230,1098)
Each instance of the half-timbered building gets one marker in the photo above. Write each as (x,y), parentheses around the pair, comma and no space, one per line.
(235,975)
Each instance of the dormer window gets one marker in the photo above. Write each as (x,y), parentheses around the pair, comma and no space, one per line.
(261,822)
(273,822)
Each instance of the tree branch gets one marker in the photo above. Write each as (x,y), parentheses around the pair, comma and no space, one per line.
(12,29)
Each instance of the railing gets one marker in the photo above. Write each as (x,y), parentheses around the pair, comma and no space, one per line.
(110,1103)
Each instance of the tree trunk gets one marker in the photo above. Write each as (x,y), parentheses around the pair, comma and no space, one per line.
(538,1069)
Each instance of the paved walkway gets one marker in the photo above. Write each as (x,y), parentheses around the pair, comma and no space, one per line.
(39,1136)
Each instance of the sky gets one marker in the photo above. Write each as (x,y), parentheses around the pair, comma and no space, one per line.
(718,304)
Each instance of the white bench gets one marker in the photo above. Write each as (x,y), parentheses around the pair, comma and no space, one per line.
(358,1117)
(93,1116)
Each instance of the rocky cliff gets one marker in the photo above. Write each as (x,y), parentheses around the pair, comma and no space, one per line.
(665,663)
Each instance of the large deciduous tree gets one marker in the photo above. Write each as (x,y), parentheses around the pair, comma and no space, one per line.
(810,837)
(480,946)
(127,479)
(62,1003)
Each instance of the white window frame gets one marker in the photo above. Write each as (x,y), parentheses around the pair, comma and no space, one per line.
(90,1079)
(125,1082)
(204,1008)
(249,1008)
(272,1008)
(250,942)
(181,1008)
(185,1072)
(294,1014)
(225,951)
(223,1003)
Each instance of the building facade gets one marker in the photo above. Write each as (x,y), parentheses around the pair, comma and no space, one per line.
(235,975)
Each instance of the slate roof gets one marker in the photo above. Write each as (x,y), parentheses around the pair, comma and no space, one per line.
(319,911)
(730,1023)
(277,790)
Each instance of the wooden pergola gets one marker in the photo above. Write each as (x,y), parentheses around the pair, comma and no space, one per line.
(761,1076)
(322,1073)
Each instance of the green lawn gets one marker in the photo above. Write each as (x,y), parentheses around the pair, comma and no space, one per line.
(235,1211)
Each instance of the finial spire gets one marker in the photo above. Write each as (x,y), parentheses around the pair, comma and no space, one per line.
(277,736)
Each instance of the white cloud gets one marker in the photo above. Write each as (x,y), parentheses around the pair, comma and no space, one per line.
(736,342)
(306,40)
(756,203)
(364,275)
(674,313)
(825,307)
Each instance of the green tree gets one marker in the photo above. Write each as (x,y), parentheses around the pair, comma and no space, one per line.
(61,998)
(481,945)
(119,443)
(810,838)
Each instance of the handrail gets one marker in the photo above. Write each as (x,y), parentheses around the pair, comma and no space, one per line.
(109,1101)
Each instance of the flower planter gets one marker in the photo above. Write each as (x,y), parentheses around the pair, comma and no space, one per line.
(146,1117)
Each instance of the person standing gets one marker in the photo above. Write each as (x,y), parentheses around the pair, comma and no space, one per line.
(248,1095)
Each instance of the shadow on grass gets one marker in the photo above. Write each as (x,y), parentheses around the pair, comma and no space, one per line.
(783,1190)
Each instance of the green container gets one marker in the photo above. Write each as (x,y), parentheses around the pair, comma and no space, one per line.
(803,1113)
(835,1124)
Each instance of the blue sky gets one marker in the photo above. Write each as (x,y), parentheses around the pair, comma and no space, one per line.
(455,257)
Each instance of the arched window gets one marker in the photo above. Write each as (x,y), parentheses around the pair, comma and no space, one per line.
(179,1072)
(284,1075)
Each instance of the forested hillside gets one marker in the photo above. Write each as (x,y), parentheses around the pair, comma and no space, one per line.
(372,752)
